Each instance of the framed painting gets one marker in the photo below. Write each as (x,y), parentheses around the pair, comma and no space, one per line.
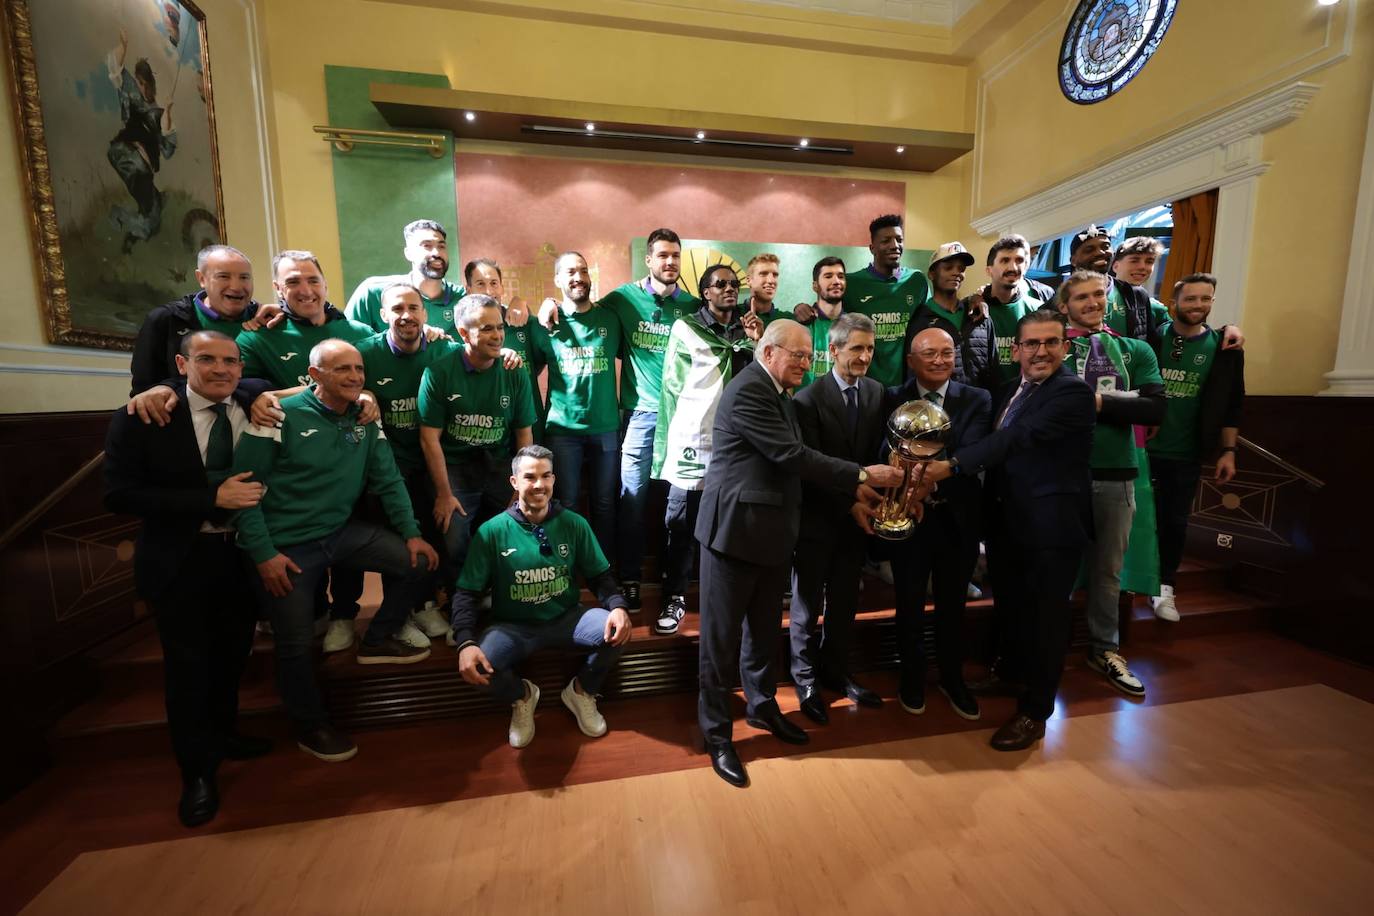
(117,132)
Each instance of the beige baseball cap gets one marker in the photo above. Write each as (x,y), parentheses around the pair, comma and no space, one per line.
(951,250)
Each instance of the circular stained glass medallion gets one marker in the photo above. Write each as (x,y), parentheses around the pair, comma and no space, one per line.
(1107,43)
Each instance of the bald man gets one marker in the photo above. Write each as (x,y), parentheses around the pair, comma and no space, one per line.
(944,547)
(314,466)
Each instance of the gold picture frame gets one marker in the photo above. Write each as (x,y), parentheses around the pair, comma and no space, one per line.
(121,194)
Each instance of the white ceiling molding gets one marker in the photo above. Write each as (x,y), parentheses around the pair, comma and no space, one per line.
(1222,149)
(916,12)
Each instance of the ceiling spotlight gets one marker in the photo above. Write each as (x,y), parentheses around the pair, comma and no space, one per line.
(590,127)
(1327,2)
(469,116)
(901,149)
(804,142)
(701,135)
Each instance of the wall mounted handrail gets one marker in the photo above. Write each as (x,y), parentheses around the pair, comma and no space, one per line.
(344,139)
(52,499)
(1291,468)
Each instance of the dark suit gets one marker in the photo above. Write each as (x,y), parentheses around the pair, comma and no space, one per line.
(747,527)
(196,583)
(944,546)
(1039,501)
(830,546)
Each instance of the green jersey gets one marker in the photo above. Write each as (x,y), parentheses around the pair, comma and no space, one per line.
(477,410)
(820,348)
(1185,363)
(365,305)
(314,467)
(282,354)
(518,339)
(1004,316)
(231,327)
(889,301)
(580,354)
(646,320)
(1115,317)
(394,377)
(1110,364)
(527,585)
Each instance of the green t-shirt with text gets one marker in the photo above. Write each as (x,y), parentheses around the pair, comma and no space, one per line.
(580,355)
(820,348)
(475,410)
(1004,316)
(282,354)
(889,301)
(365,305)
(527,585)
(646,320)
(1114,446)
(1184,376)
(395,379)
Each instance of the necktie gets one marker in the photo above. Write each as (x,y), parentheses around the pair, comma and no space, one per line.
(851,410)
(1017,402)
(933,397)
(219,451)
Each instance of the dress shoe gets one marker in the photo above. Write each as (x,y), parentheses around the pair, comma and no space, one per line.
(246,747)
(782,729)
(727,765)
(1018,734)
(199,801)
(962,700)
(854,690)
(813,704)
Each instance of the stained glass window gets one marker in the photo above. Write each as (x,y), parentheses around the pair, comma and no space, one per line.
(1107,43)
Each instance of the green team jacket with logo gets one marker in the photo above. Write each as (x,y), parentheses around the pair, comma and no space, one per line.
(646,320)
(580,352)
(282,354)
(395,380)
(476,411)
(315,466)
(889,301)
(365,305)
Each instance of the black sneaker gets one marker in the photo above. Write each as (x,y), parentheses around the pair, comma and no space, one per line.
(327,743)
(671,616)
(391,651)
(912,697)
(630,589)
(962,700)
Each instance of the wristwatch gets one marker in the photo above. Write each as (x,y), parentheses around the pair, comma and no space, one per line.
(1228,448)
(863,476)
(954,466)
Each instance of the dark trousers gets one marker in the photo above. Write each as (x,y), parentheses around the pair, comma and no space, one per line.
(1175,485)
(680,523)
(741,613)
(825,581)
(205,619)
(1040,579)
(1002,569)
(939,551)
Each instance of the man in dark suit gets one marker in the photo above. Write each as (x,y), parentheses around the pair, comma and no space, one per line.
(176,476)
(1039,483)
(944,546)
(840,414)
(747,527)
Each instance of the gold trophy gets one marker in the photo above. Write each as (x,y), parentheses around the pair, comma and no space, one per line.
(916,433)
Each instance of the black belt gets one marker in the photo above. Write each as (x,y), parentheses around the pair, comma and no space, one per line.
(218,537)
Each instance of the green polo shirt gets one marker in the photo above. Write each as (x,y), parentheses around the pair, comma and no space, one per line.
(889,301)
(365,305)
(526,584)
(1184,376)
(476,410)
(282,354)
(580,355)
(646,320)
(394,377)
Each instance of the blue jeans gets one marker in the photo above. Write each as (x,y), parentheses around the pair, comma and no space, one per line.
(636,459)
(1113,511)
(600,452)
(357,545)
(484,490)
(509,643)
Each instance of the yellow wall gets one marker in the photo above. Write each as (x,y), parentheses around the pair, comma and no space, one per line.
(1216,53)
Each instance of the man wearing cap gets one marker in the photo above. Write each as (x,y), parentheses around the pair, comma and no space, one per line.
(975,344)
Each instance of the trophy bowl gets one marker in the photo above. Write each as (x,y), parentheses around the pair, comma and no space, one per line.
(917,432)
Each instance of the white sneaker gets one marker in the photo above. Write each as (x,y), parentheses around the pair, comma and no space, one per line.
(522,716)
(410,635)
(583,708)
(882,570)
(1164,606)
(339,636)
(431,620)
(1118,674)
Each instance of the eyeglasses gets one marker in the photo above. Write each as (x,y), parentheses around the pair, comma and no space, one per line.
(800,356)
(935,354)
(723,284)
(1049,343)
(542,536)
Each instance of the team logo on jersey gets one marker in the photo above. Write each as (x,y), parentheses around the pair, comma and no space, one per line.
(601,331)
(183,332)
(454,397)
(306,434)
(1125,356)
(360,432)
(384,381)
(910,300)
(1199,359)
(448,315)
(864,298)
(563,550)
(508,551)
(288,356)
(505,401)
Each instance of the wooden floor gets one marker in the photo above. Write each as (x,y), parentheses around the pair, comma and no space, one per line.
(1256,803)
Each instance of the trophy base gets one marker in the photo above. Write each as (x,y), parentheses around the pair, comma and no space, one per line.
(894,531)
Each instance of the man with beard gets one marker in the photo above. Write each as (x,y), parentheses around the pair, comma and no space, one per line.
(426,250)
(828,283)
(975,353)
(705,351)
(1205,387)
(762,273)
(646,310)
(1124,375)
(584,416)
(1007,299)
